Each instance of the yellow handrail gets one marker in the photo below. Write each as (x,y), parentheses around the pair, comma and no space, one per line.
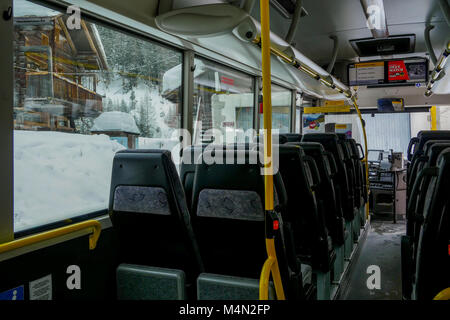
(443,295)
(366,155)
(23,242)
(271,263)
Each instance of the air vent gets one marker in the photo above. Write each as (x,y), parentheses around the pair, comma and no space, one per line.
(388,46)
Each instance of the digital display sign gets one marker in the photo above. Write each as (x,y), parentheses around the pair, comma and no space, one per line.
(388,72)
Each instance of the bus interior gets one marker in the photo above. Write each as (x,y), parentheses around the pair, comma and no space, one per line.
(225,150)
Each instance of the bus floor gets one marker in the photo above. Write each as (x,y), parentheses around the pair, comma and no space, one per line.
(381,248)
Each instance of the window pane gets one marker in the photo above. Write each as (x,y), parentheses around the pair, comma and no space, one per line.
(82,94)
(298,105)
(388,131)
(223,104)
(281,109)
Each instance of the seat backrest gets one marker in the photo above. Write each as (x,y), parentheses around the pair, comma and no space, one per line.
(417,200)
(326,194)
(149,213)
(330,142)
(189,158)
(193,155)
(228,214)
(420,161)
(359,171)
(432,254)
(303,210)
(292,137)
(351,167)
(422,138)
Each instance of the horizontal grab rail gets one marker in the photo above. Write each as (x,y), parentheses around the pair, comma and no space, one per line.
(26,241)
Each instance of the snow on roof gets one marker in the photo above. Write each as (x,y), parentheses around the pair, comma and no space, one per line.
(172,77)
(115,121)
(24,8)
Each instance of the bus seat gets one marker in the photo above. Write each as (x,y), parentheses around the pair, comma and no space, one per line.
(432,150)
(432,261)
(189,157)
(326,192)
(415,218)
(229,219)
(223,287)
(419,143)
(149,213)
(303,210)
(331,144)
(351,170)
(360,174)
(137,282)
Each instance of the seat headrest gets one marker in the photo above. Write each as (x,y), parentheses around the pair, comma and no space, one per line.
(143,181)
(444,159)
(425,136)
(429,144)
(311,145)
(435,150)
(320,137)
(292,137)
(237,185)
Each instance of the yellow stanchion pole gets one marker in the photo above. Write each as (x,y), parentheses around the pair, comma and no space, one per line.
(366,161)
(433,114)
(271,263)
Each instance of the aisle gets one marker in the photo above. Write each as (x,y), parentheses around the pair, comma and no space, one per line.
(382,249)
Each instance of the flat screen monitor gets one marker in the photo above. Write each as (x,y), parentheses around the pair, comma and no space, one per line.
(396,72)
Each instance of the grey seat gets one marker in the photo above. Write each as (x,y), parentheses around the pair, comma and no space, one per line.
(150,218)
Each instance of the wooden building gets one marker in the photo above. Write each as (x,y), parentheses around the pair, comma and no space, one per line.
(56,72)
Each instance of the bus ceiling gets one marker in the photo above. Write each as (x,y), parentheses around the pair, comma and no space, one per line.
(300,30)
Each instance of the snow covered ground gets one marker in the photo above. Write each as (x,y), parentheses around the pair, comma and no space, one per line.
(60,175)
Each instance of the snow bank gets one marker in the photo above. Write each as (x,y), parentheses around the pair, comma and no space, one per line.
(60,175)
(24,8)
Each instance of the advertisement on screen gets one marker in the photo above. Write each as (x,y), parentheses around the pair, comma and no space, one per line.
(410,71)
(313,123)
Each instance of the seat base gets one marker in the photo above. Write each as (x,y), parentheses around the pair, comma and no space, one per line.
(221,287)
(138,282)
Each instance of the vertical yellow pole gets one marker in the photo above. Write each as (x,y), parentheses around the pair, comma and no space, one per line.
(433,114)
(366,161)
(267,103)
(268,170)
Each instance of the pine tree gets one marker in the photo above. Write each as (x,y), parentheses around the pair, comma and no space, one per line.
(133,101)
(123,106)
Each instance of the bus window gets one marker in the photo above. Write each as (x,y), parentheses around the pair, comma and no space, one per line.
(223,104)
(281,109)
(298,104)
(81,96)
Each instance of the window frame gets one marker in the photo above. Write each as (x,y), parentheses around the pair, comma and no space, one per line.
(6,127)
(254,89)
(7,232)
(291,108)
(120,23)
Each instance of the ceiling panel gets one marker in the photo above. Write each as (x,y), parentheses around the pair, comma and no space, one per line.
(345,18)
